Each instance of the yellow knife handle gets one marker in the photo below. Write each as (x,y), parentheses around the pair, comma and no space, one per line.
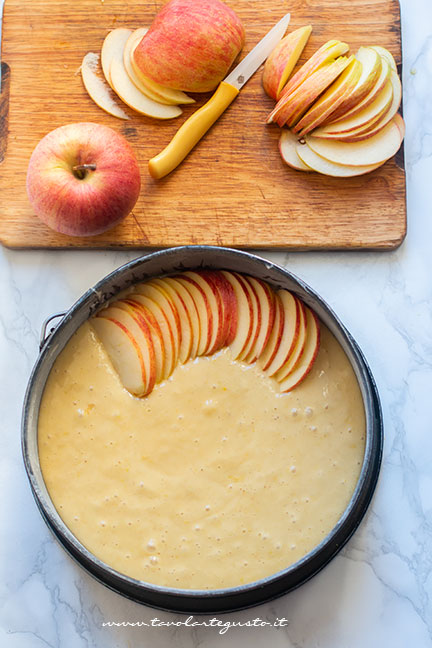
(190,133)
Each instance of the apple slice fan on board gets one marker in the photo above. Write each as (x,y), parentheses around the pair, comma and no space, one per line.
(194,128)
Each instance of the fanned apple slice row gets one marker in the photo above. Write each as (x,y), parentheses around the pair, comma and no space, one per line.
(204,311)
(332,97)
(306,360)
(165,302)
(124,354)
(374,150)
(112,48)
(325,54)
(167,94)
(145,317)
(342,112)
(165,329)
(134,98)
(267,307)
(362,120)
(214,302)
(245,314)
(371,72)
(290,333)
(142,337)
(96,87)
(297,348)
(268,353)
(288,150)
(184,317)
(360,133)
(321,165)
(191,308)
(283,59)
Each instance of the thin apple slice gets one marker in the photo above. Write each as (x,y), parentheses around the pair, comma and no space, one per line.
(297,348)
(343,113)
(267,307)
(292,321)
(147,289)
(244,314)
(96,87)
(135,99)
(291,107)
(184,317)
(307,358)
(398,120)
(145,317)
(112,48)
(204,310)
(332,97)
(371,71)
(124,353)
(167,94)
(362,120)
(360,133)
(141,333)
(169,357)
(374,150)
(288,150)
(283,59)
(256,317)
(388,56)
(325,54)
(269,351)
(214,301)
(321,165)
(229,304)
(186,298)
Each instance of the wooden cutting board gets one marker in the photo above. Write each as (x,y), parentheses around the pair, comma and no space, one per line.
(233,189)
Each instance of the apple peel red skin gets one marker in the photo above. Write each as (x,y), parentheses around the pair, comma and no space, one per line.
(190,45)
(89,206)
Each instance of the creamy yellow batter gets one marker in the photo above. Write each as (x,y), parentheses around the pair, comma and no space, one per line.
(214,479)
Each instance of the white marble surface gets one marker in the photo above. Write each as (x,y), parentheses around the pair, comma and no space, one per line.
(377,592)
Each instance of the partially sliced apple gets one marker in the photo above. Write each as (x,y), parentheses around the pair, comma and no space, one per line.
(124,353)
(382,51)
(165,329)
(374,150)
(169,95)
(332,97)
(112,48)
(306,360)
(325,54)
(317,163)
(288,150)
(292,106)
(297,348)
(145,317)
(184,317)
(96,87)
(371,71)
(283,59)
(291,328)
(362,120)
(204,310)
(267,311)
(245,314)
(161,297)
(343,113)
(134,98)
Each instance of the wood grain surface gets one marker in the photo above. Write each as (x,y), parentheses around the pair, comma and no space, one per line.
(233,189)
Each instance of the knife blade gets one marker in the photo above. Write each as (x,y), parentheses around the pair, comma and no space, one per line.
(195,127)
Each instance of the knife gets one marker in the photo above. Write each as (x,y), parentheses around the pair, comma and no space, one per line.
(194,128)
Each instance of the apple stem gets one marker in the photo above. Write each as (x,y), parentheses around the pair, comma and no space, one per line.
(80,170)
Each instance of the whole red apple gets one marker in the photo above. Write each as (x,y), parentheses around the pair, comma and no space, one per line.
(190,45)
(82,179)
